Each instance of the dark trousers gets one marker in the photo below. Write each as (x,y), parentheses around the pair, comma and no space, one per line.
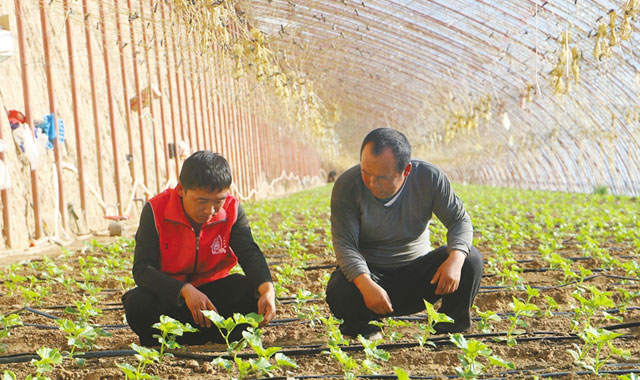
(232,294)
(407,287)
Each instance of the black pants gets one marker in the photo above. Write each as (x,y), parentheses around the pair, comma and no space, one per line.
(232,294)
(407,287)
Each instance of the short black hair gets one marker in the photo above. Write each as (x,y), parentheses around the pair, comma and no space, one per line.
(389,138)
(205,170)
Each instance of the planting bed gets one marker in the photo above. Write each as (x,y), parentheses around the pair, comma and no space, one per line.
(577,254)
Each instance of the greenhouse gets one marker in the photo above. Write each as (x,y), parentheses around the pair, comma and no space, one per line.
(122,231)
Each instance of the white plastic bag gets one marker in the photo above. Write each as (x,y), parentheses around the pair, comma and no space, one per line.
(23,137)
(6,45)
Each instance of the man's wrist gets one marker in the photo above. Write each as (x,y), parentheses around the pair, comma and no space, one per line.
(265,287)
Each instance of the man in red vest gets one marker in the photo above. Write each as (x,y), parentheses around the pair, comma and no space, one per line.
(188,240)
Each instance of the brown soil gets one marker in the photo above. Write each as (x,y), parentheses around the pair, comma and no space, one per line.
(540,356)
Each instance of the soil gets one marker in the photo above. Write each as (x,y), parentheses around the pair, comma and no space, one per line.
(546,355)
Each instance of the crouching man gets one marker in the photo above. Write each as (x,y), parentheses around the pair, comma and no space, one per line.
(188,240)
(380,212)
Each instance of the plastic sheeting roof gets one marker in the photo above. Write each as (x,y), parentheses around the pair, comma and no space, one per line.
(415,64)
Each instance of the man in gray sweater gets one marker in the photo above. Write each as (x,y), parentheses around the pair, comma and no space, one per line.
(380,212)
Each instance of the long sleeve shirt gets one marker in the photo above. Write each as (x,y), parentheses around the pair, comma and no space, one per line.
(147,271)
(391,233)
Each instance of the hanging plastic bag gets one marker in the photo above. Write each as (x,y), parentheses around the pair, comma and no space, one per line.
(26,144)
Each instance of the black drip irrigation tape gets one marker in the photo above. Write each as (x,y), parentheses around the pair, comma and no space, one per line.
(509,288)
(318,348)
(503,375)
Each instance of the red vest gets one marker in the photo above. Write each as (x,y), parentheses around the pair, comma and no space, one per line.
(179,257)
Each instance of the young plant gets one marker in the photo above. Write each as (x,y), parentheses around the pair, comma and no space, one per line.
(598,338)
(589,306)
(372,353)
(145,357)
(520,309)
(472,350)
(7,322)
(390,326)
(170,329)
(80,335)
(48,358)
(263,365)
(433,317)
(486,318)
(226,327)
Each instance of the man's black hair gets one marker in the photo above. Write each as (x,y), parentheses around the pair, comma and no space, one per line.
(205,170)
(389,138)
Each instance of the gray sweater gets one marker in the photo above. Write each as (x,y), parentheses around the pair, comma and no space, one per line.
(367,230)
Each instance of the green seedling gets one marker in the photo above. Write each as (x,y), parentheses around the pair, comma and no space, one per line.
(145,357)
(596,338)
(472,351)
(390,326)
(7,322)
(552,305)
(48,358)
(169,330)
(520,309)
(401,373)
(253,337)
(8,375)
(80,335)
(84,311)
(486,319)
(35,293)
(263,364)
(372,353)
(625,298)
(590,306)
(433,317)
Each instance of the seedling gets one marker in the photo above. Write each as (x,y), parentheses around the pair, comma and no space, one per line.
(7,322)
(170,329)
(145,356)
(48,358)
(598,338)
(589,306)
(520,309)
(8,375)
(472,350)
(372,353)
(80,335)
(486,318)
(433,317)
(390,326)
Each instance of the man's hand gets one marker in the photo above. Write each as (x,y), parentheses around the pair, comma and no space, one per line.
(448,274)
(267,302)
(197,301)
(375,297)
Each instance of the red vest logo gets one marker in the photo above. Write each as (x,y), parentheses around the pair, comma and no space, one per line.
(217,247)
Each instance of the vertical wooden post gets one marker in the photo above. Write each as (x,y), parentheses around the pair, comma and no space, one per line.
(125,91)
(75,107)
(156,49)
(44,22)
(22,42)
(136,75)
(94,98)
(112,117)
(169,80)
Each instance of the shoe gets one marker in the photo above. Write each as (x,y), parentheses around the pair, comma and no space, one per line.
(352,330)
(451,328)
